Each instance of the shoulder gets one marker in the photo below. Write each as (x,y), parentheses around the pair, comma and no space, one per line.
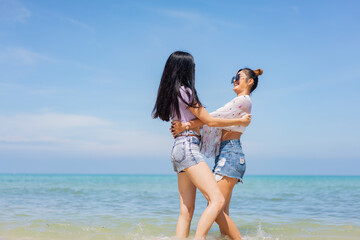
(185,94)
(241,98)
(185,89)
(239,101)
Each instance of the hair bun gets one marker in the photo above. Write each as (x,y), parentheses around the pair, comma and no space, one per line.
(258,71)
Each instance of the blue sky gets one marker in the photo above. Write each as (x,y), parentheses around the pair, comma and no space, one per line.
(78,81)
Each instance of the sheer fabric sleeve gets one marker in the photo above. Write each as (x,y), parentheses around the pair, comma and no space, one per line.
(211,136)
(210,141)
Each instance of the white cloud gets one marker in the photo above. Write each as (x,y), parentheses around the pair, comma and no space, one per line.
(295,9)
(79,24)
(189,16)
(49,121)
(77,133)
(13,11)
(15,88)
(21,56)
(195,18)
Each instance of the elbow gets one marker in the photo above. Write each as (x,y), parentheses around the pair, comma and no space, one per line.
(247,124)
(211,124)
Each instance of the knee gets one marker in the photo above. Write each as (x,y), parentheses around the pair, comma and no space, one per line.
(219,201)
(187,212)
(222,201)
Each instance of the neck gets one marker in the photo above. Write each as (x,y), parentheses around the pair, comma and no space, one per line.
(244,92)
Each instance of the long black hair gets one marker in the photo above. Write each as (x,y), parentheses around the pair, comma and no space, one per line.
(179,71)
(254,74)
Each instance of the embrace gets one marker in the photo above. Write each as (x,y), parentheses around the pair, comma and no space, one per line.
(221,130)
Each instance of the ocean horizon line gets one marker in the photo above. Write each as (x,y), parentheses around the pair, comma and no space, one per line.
(172,174)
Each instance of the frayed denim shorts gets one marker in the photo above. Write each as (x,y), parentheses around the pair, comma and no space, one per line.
(186,151)
(231,161)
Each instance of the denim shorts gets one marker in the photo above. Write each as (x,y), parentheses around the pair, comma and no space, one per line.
(186,151)
(231,161)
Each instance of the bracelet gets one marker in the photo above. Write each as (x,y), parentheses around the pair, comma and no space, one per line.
(187,127)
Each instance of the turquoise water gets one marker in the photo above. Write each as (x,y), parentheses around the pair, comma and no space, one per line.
(146,207)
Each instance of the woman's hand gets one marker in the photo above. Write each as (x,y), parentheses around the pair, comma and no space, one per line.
(177,127)
(246,119)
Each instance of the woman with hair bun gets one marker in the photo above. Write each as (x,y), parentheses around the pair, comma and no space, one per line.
(177,99)
(223,143)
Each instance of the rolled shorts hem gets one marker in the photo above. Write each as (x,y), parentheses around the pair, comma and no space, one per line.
(187,166)
(227,175)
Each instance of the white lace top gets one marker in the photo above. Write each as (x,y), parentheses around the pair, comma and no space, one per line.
(211,136)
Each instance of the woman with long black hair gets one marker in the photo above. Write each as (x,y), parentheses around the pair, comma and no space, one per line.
(177,100)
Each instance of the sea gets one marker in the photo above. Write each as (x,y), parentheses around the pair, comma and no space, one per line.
(145,207)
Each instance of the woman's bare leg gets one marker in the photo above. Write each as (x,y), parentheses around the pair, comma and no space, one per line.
(187,194)
(227,204)
(227,226)
(202,177)
(226,185)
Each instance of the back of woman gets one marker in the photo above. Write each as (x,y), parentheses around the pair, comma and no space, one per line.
(177,99)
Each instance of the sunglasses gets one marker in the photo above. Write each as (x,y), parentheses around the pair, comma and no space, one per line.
(235,79)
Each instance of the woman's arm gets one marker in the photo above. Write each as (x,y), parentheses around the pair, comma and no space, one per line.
(204,118)
(207,119)
(178,127)
(192,124)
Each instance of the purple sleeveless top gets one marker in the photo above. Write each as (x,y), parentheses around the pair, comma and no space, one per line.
(186,114)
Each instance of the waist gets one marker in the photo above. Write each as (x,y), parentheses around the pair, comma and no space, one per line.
(191,133)
(184,117)
(229,135)
(231,142)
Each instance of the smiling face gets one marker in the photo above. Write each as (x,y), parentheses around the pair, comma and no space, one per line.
(242,85)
